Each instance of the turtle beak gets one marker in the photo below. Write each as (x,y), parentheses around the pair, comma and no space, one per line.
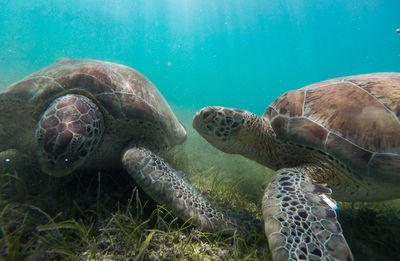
(56,172)
(202,118)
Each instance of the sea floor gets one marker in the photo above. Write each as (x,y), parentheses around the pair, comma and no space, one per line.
(103,215)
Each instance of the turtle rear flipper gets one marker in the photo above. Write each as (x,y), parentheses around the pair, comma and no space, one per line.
(300,219)
(172,189)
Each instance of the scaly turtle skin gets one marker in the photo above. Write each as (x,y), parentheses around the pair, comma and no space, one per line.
(343,133)
(92,114)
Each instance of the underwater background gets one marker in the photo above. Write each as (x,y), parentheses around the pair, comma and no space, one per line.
(234,53)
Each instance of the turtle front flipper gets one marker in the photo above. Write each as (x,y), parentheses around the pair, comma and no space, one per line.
(172,189)
(300,219)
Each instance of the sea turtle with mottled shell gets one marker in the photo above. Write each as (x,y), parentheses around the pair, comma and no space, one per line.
(338,139)
(79,114)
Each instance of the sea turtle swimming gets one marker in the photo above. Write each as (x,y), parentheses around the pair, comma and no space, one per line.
(93,114)
(343,133)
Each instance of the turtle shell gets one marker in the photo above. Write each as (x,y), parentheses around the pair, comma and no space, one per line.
(121,92)
(355,119)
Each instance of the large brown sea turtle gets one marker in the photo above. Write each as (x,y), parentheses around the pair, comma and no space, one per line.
(92,114)
(344,133)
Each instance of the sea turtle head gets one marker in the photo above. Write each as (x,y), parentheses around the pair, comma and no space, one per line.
(67,133)
(237,132)
(220,126)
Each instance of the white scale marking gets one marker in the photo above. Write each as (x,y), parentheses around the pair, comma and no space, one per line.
(329,202)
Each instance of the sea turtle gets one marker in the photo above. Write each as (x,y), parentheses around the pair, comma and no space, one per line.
(339,138)
(93,114)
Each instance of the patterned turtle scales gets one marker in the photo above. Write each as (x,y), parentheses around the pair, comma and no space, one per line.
(338,138)
(93,114)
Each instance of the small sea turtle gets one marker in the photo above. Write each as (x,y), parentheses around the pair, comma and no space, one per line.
(93,114)
(343,133)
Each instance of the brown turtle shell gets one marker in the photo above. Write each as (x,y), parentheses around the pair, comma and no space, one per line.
(354,119)
(125,95)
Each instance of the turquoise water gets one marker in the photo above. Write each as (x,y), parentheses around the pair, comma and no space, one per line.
(237,53)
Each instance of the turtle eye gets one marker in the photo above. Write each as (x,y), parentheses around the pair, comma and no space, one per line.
(207,114)
(67,132)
